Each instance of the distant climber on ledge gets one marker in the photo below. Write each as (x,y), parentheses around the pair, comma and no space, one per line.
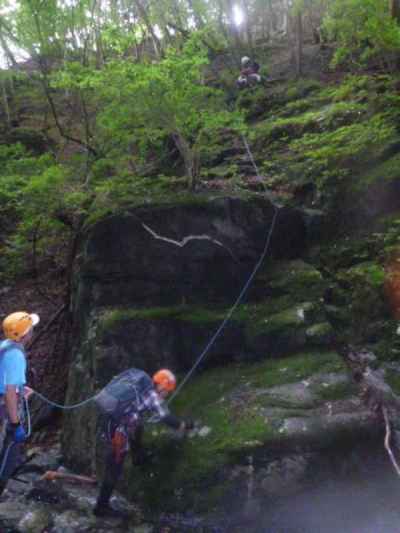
(123,404)
(249,74)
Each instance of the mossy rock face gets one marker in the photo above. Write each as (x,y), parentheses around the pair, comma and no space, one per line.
(319,334)
(284,331)
(303,281)
(292,281)
(241,411)
(276,405)
(193,253)
(365,283)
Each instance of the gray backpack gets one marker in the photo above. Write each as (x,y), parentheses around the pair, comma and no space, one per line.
(124,393)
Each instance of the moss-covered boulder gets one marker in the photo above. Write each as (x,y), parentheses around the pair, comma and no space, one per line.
(263,411)
(303,404)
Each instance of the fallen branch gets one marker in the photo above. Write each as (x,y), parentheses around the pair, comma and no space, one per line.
(52,475)
(387,441)
(374,391)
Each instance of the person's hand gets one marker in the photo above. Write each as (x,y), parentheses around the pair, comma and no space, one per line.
(17,433)
(189,424)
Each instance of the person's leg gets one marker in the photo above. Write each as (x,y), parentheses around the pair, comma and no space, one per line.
(139,454)
(241,81)
(11,452)
(114,463)
(254,79)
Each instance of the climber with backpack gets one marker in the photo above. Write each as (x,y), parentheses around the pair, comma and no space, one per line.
(18,328)
(249,74)
(124,405)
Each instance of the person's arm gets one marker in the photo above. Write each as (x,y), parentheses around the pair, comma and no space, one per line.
(11,399)
(173,422)
(158,406)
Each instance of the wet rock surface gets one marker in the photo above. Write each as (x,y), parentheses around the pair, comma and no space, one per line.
(31,504)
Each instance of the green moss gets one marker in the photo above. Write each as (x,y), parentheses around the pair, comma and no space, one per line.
(319,333)
(222,399)
(338,391)
(301,280)
(388,170)
(274,315)
(302,88)
(347,142)
(281,323)
(196,315)
(140,199)
(367,272)
(324,118)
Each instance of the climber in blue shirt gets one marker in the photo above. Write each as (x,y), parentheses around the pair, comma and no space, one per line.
(18,328)
(12,366)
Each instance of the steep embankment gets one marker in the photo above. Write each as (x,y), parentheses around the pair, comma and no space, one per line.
(272,394)
(141,300)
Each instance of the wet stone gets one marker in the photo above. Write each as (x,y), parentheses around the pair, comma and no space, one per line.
(48,492)
(35,521)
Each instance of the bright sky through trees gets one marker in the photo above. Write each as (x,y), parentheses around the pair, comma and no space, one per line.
(238,15)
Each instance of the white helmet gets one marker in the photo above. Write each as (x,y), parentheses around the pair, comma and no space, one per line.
(245,60)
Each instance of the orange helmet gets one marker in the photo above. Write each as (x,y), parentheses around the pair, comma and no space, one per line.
(18,324)
(165,379)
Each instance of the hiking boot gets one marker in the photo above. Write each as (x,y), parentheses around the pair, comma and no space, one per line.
(105,510)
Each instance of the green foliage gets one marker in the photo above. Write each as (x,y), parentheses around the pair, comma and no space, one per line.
(145,103)
(328,117)
(39,202)
(364,30)
(346,143)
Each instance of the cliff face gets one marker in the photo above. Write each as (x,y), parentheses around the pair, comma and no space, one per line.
(155,283)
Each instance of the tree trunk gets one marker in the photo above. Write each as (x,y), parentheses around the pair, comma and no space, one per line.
(394,6)
(299,43)
(5,102)
(197,17)
(143,15)
(247,24)
(190,159)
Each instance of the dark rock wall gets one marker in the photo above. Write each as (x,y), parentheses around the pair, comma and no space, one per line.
(144,301)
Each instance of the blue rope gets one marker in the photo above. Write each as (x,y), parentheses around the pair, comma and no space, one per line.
(222,325)
(211,341)
(60,406)
(231,311)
